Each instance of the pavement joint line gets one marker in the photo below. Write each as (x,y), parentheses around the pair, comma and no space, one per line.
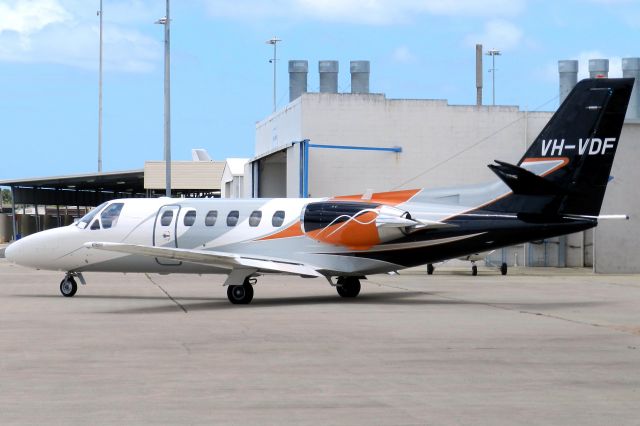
(539,314)
(178,304)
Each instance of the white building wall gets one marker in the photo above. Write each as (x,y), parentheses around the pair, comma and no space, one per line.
(430,133)
(616,243)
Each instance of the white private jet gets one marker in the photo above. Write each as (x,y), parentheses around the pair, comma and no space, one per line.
(557,188)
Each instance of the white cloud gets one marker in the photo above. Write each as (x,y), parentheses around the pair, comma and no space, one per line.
(374,12)
(498,34)
(67,32)
(403,55)
(28,16)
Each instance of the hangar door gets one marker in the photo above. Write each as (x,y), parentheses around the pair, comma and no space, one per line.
(272,175)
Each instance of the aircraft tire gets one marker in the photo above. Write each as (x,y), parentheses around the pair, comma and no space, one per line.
(430,268)
(240,294)
(503,269)
(348,286)
(474,270)
(68,287)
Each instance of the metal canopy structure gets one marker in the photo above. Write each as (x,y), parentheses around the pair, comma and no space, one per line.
(88,189)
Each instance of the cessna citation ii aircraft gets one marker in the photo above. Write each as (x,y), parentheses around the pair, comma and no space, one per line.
(556,188)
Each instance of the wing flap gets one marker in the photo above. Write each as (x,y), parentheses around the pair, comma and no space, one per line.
(212,258)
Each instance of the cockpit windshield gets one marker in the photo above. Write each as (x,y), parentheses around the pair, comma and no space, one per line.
(107,219)
(84,221)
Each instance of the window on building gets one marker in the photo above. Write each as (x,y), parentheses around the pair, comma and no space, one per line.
(189,218)
(278,218)
(166,218)
(210,218)
(254,219)
(232,218)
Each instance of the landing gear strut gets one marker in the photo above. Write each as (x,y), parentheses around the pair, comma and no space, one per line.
(348,286)
(430,269)
(68,286)
(503,269)
(241,294)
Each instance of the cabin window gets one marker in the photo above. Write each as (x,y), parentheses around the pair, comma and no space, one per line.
(95,225)
(278,218)
(189,218)
(110,215)
(232,218)
(254,219)
(166,218)
(211,218)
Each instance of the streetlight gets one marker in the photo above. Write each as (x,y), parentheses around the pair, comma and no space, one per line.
(493,53)
(166,21)
(274,41)
(100,96)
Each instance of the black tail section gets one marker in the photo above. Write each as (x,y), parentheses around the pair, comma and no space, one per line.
(566,169)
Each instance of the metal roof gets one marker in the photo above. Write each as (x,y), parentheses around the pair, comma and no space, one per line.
(122,181)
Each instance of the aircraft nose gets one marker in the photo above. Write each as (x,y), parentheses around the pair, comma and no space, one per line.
(12,252)
(37,251)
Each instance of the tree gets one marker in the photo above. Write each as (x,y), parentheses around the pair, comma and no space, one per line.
(6,197)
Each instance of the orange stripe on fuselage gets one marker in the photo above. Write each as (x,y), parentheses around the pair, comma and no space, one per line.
(389,198)
(293,230)
(359,233)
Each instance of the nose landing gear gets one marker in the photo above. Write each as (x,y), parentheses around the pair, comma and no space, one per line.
(68,286)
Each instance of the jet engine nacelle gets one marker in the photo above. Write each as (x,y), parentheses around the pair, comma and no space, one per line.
(357,225)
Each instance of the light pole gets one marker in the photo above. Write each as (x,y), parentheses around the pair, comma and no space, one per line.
(274,41)
(100,96)
(166,21)
(493,53)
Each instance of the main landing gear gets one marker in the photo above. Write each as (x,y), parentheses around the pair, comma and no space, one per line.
(241,294)
(348,286)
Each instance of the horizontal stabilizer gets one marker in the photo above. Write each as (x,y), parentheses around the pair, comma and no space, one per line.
(523,182)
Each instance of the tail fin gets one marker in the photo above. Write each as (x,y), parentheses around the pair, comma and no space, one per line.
(566,169)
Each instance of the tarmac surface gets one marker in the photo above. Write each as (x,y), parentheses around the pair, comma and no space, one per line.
(533,347)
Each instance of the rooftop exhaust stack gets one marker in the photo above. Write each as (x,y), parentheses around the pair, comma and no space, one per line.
(568,71)
(478,74)
(328,76)
(297,78)
(360,76)
(598,68)
(631,68)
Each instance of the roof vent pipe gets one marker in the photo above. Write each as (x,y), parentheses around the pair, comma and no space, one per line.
(328,76)
(360,76)
(631,68)
(297,79)
(568,71)
(598,68)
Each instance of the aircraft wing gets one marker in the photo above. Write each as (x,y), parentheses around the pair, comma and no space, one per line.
(218,259)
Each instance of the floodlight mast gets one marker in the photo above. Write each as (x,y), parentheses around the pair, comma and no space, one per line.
(100,96)
(166,21)
(274,41)
(493,53)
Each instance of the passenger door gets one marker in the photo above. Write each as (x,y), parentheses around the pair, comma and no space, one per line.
(164,231)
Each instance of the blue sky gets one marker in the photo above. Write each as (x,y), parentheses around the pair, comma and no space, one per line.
(222,81)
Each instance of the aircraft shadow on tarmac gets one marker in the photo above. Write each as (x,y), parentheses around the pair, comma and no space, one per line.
(400,298)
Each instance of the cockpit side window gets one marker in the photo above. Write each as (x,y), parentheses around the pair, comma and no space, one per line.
(110,215)
(84,221)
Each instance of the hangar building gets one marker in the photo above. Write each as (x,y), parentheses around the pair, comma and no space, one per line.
(329,143)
